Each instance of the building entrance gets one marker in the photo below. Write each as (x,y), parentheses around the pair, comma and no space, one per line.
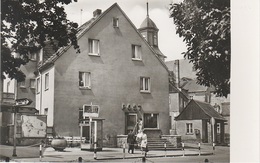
(131,121)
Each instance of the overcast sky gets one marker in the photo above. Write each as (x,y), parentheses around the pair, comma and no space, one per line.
(169,43)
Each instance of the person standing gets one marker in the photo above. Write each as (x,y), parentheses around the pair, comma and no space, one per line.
(144,144)
(131,141)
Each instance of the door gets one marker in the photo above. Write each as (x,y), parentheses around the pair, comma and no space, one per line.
(85,133)
(131,121)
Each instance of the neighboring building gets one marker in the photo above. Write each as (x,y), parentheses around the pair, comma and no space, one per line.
(195,123)
(118,73)
(184,77)
(177,102)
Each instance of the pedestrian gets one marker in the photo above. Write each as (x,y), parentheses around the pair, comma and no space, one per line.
(143,144)
(206,160)
(140,124)
(131,141)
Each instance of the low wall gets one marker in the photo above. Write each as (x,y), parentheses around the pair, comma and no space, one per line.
(173,139)
(121,139)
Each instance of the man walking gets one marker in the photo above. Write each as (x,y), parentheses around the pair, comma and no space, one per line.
(131,141)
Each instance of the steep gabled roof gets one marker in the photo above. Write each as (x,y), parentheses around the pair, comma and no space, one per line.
(197,110)
(87,26)
(192,86)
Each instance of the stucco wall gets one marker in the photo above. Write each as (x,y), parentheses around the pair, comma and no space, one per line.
(182,130)
(115,79)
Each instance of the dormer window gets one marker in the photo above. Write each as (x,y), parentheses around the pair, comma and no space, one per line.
(116,22)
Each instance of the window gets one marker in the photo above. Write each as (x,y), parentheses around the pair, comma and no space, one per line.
(46,111)
(145,84)
(155,39)
(115,22)
(189,128)
(22,84)
(38,85)
(218,128)
(47,81)
(93,47)
(150,120)
(32,83)
(84,79)
(136,52)
(32,56)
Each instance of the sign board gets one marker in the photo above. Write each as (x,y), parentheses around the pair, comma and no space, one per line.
(33,126)
(23,102)
(90,111)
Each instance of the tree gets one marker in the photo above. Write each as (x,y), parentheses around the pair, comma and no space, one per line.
(205,28)
(26,27)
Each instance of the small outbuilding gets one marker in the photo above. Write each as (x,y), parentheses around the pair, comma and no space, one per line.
(199,122)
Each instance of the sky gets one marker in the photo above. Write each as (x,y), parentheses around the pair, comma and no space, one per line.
(169,43)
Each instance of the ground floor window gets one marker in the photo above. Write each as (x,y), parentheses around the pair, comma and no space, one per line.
(151,120)
(189,128)
(218,128)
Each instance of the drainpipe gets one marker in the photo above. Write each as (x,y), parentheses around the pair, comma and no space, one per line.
(41,94)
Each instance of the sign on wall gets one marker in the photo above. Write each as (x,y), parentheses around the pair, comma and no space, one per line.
(33,126)
(90,110)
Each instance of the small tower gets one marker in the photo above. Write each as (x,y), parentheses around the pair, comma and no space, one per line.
(149,31)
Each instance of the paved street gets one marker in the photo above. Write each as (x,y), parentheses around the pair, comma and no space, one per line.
(31,154)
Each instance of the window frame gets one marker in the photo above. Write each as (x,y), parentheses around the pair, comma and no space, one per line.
(22,84)
(115,21)
(46,81)
(138,56)
(189,129)
(152,115)
(46,110)
(91,47)
(38,83)
(33,56)
(143,84)
(34,85)
(83,79)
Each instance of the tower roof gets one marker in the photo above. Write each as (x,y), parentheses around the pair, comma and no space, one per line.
(148,23)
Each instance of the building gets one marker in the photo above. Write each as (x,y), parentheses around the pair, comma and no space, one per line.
(200,122)
(120,76)
(184,77)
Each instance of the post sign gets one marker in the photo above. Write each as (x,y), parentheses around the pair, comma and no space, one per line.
(23,102)
(212,120)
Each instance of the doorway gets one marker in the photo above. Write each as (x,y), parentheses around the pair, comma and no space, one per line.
(131,121)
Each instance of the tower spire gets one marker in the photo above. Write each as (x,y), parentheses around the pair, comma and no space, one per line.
(147,8)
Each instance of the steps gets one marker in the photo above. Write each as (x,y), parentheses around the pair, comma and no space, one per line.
(158,144)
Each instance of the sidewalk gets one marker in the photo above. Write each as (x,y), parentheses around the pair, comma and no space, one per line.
(72,154)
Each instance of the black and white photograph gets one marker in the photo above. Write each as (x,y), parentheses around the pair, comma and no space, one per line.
(129,81)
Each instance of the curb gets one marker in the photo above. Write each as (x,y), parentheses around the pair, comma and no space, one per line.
(134,157)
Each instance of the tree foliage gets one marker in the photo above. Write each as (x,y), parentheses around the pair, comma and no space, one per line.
(26,25)
(205,28)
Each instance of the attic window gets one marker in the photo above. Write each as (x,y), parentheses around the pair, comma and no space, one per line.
(115,22)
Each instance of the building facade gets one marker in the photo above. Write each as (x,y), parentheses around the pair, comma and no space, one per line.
(117,72)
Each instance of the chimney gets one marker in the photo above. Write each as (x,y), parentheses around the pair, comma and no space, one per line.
(177,72)
(96,13)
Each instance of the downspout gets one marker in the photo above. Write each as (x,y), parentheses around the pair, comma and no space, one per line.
(40,93)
